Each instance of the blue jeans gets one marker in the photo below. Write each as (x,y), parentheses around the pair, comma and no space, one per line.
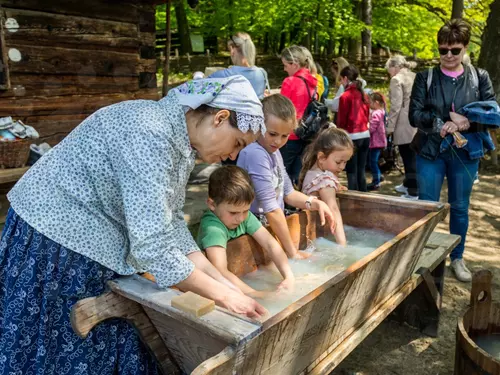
(459,171)
(374,156)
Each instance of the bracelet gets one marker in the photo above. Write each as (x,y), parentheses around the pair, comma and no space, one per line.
(309,201)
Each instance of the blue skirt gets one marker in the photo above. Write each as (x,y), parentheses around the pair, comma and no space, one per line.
(40,281)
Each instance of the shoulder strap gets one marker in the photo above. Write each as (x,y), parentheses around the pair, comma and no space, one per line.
(307,87)
(475,78)
(429,78)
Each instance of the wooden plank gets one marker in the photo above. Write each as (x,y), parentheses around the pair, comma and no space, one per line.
(89,312)
(114,10)
(4,66)
(218,324)
(11,174)
(90,62)
(29,85)
(339,351)
(64,105)
(53,30)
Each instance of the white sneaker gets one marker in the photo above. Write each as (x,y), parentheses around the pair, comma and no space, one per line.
(476,181)
(462,273)
(411,197)
(401,189)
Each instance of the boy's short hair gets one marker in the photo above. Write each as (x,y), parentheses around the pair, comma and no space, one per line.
(230,184)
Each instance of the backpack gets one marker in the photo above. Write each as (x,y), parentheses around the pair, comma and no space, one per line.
(315,117)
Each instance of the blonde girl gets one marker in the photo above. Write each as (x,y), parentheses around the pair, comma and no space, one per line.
(324,159)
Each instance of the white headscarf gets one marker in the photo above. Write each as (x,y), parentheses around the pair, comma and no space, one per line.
(233,93)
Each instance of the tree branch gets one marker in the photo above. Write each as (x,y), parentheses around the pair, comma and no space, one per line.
(439,12)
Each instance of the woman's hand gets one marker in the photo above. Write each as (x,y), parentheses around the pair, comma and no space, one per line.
(241,304)
(324,213)
(448,128)
(461,121)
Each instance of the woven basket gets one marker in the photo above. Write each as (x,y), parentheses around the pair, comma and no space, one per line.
(14,154)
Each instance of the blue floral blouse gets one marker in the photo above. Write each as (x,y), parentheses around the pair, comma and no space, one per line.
(114,189)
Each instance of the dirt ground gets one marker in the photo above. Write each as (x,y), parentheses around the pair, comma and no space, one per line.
(398,349)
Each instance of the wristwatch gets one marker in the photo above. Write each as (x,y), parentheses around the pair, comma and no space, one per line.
(309,201)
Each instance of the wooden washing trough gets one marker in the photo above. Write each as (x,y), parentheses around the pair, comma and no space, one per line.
(295,340)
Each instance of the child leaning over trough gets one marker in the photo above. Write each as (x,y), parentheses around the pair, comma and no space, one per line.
(324,159)
(273,188)
(230,194)
(378,139)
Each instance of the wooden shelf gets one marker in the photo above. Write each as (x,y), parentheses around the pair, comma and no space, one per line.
(12,174)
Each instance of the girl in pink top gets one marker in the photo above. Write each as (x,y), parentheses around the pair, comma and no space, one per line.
(324,159)
(378,139)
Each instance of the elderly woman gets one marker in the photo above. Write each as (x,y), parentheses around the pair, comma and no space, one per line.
(437,95)
(243,54)
(107,201)
(398,121)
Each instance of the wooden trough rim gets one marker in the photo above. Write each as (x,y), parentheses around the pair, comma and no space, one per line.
(479,315)
(471,348)
(437,209)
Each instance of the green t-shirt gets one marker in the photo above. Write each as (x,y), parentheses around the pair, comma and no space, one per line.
(213,232)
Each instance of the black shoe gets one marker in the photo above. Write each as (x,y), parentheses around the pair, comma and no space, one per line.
(373,186)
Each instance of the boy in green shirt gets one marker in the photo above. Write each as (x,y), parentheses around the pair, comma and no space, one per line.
(230,194)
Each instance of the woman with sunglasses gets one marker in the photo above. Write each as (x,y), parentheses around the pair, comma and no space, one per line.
(437,97)
(243,54)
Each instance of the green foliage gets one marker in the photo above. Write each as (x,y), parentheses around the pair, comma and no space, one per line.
(401,25)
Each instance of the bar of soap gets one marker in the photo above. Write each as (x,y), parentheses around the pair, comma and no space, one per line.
(193,304)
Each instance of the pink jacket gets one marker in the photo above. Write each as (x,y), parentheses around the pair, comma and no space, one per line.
(377,129)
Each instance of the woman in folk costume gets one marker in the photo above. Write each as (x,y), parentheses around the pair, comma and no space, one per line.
(107,201)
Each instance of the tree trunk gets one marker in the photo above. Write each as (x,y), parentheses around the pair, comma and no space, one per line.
(490,52)
(354,44)
(457,9)
(331,41)
(182,27)
(282,42)
(166,63)
(366,35)
(266,43)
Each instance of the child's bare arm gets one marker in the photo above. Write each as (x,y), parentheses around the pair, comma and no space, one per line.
(277,222)
(217,256)
(328,195)
(278,256)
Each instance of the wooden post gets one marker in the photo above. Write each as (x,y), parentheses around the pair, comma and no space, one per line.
(166,62)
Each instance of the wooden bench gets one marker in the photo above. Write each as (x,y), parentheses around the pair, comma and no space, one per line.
(12,174)
(417,302)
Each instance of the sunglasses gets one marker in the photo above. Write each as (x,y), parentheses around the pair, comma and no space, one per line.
(454,51)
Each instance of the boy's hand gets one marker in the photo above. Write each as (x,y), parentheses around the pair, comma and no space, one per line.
(287,285)
(301,255)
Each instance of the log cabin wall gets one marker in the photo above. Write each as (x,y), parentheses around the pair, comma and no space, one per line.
(61,60)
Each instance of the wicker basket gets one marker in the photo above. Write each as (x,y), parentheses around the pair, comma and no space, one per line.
(14,154)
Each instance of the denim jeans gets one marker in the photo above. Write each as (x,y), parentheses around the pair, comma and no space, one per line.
(355,167)
(374,156)
(292,158)
(459,171)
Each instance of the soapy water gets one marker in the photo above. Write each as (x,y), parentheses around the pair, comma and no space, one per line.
(327,260)
(490,344)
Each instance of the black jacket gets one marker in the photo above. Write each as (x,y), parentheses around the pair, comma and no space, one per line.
(437,102)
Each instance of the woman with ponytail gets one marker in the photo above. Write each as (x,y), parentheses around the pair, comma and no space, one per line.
(243,54)
(353,117)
